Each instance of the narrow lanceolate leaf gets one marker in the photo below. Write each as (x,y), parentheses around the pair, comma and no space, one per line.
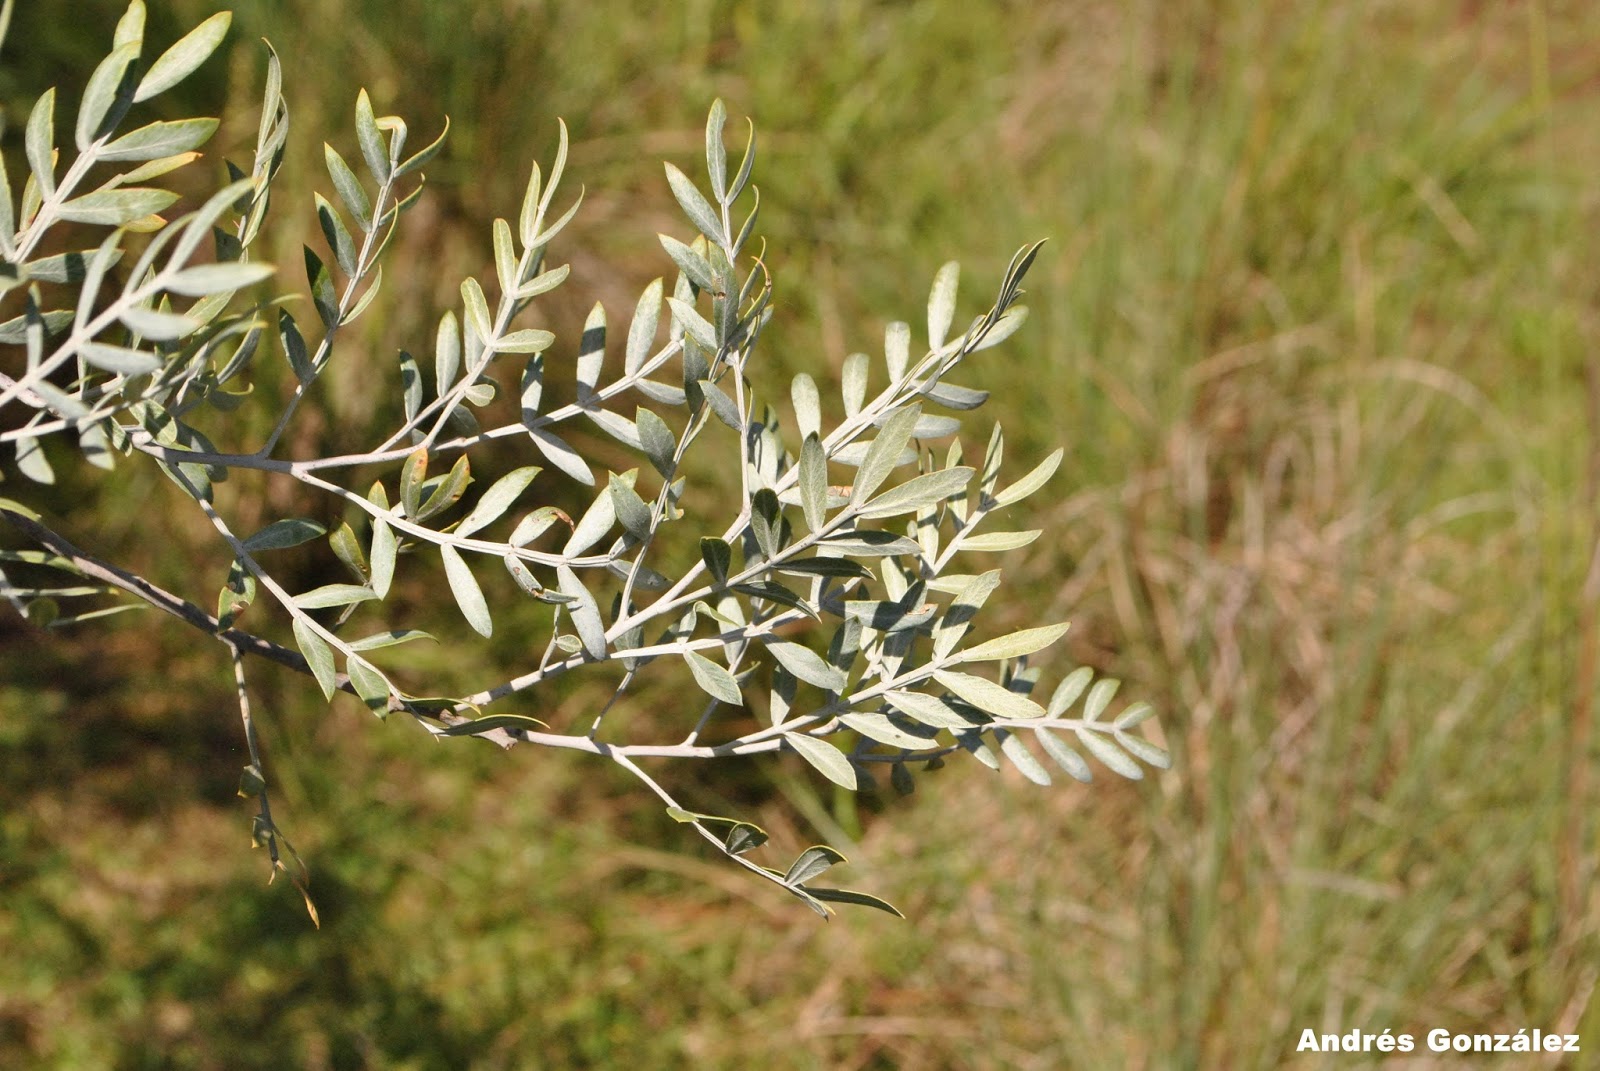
(813,862)
(389,638)
(159,326)
(1141,748)
(39,143)
(853,383)
(318,655)
(928,709)
(348,187)
(884,454)
(879,728)
(371,685)
(528,340)
(807,406)
(181,60)
(692,264)
(1067,692)
(585,612)
(1115,759)
(206,279)
(959,617)
(119,359)
(113,208)
(713,679)
(813,483)
(806,665)
(371,139)
(1136,714)
(159,140)
(421,159)
(562,456)
(828,760)
(1099,698)
(642,330)
(927,490)
(286,533)
(500,496)
(723,406)
(989,697)
(697,326)
(1066,758)
(101,93)
(695,206)
(1031,482)
(657,441)
(1017,644)
(384,550)
(543,283)
(868,543)
(410,385)
(1000,541)
(593,525)
(860,899)
(630,508)
(464,586)
(942,303)
(330,595)
(1012,746)
(716,151)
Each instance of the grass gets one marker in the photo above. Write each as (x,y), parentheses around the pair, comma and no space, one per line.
(1315,326)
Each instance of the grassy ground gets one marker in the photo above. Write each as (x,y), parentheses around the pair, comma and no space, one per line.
(1316,326)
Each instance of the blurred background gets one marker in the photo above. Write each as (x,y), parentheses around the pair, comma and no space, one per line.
(1317,327)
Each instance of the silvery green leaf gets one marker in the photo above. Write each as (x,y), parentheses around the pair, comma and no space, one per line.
(371,685)
(1031,482)
(975,745)
(988,696)
(897,349)
(543,283)
(591,351)
(348,187)
(867,543)
(497,499)
(942,303)
(1015,645)
(928,489)
(933,426)
(119,359)
(528,340)
(544,237)
(716,151)
(389,639)
(329,595)
(8,216)
(100,95)
(585,612)
(519,572)
(447,490)
(884,454)
(593,525)
(1000,541)
(630,508)
(697,326)
(992,455)
(843,568)
(562,456)
(662,392)
(927,709)
(183,58)
(159,140)
(464,586)
(366,297)
(718,556)
(959,617)
(896,616)
(657,441)
(294,348)
(557,167)
(319,656)
(1013,747)
(130,29)
(1067,692)
(879,728)
(532,390)
(953,397)
(367,133)
(851,896)
(413,473)
(1066,758)
(159,326)
(1136,714)
(713,679)
(806,665)
(721,405)
(477,308)
(777,593)
(691,263)
(113,208)
(642,331)
(384,550)
(217,278)
(39,143)
(615,425)
(813,483)
(1099,698)
(1115,759)
(336,234)
(1141,748)
(827,759)
(428,153)
(695,206)
(853,383)
(812,862)
(743,837)
(32,461)
(1003,328)
(745,165)
(534,525)
(505,258)
(807,406)
(96,446)
(285,533)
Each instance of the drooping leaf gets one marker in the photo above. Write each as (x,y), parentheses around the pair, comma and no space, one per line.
(1014,748)
(811,863)
(468,595)
(584,610)
(1066,758)
(318,655)
(285,533)
(825,758)
(1114,758)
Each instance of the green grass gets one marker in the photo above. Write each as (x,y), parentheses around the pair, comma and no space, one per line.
(1314,325)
